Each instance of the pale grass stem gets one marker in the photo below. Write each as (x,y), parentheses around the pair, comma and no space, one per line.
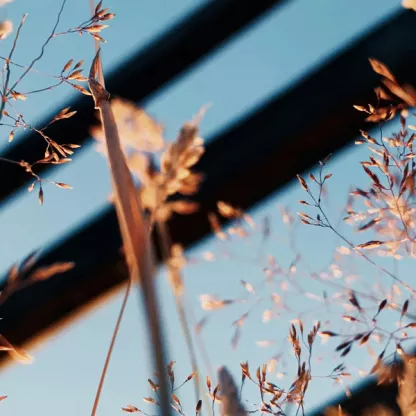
(134,229)
(166,245)
(110,349)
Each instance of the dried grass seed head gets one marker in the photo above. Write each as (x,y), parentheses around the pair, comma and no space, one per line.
(6,27)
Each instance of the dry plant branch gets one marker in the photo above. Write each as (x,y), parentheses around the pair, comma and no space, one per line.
(140,133)
(110,349)
(176,284)
(28,69)
(71,74)
(134,229)
(325,223)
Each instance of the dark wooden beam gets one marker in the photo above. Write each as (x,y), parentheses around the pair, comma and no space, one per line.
(364,397)
(149,70)
(244,163)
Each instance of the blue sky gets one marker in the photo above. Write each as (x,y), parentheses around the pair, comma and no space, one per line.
(272,54)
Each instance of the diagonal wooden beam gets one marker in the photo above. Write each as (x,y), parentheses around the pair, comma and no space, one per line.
(363,397)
